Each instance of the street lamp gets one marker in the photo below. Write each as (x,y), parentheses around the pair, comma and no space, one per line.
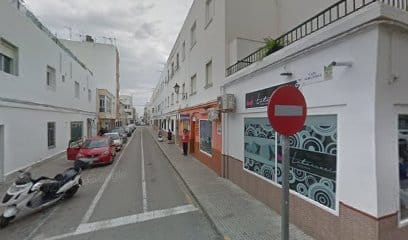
(176,88)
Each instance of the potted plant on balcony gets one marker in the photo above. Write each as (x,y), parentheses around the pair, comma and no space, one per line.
(271,46)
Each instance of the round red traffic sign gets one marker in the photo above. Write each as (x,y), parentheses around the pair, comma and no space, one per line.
(287,110)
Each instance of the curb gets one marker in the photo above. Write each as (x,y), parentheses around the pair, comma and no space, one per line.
(203,209)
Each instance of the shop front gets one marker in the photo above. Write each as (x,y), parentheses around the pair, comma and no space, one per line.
(205,135)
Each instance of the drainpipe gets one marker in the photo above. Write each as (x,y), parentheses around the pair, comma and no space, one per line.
(224,162)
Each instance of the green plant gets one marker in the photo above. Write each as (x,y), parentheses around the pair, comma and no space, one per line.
(271,45)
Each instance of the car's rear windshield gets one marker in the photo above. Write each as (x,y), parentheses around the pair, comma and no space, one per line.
(95,143)
(114,136)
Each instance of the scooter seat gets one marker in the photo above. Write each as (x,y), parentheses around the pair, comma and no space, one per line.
(68,175)
(50,187)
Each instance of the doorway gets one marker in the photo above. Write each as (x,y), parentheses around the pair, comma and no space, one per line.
(2,153)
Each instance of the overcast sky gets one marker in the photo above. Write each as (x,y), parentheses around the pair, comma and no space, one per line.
(145,31)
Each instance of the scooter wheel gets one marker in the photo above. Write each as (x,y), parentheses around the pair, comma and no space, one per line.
(4,221)
(71,192)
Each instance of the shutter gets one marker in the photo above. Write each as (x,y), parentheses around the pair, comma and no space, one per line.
(8,49)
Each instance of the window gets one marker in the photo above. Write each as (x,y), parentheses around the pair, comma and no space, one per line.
(206,136)
(70,70)
(77,89)
(208,75)
(51,81)
(8,57)
(102,104)
(403,165)
(89,95)
(51,134)
(172,99)
(193,35)
(172,69)
(183,90)
(63,78)
(108,104)
(177,61)
(315,145)
(183,51)
(209,11)
(193,85)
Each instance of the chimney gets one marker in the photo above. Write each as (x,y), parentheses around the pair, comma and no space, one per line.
(89,38)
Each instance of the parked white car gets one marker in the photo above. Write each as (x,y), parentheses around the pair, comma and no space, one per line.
(117,140)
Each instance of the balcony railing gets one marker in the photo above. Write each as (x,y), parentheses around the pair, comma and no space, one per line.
(326,17)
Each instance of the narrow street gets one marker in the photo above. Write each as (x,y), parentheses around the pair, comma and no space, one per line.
(139,196)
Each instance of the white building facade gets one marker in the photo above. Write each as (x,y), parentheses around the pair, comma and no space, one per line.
(215,34)
(103,60)
(347,164)
(128,108)
(47,95)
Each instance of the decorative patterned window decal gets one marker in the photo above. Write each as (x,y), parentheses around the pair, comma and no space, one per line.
(313,156)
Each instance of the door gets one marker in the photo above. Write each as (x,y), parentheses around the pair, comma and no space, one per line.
(76,130)
(73,149)
(192,136)
(2,153)
(89,127)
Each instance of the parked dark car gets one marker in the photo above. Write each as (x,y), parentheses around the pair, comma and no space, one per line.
(122,132)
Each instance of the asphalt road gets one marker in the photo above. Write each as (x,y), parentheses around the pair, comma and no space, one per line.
(139,196)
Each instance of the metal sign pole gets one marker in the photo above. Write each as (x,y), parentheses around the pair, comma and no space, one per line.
(285,189)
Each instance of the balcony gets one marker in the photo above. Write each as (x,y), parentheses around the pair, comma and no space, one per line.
(324,18)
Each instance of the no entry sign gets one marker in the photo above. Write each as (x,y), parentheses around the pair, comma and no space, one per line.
(287,110)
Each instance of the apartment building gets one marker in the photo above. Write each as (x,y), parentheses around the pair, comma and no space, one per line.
(47,95)
(128,108)
(348,165)
(103,60)
(215,34)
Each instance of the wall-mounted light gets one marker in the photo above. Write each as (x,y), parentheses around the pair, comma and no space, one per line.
(177,91)
(341,64)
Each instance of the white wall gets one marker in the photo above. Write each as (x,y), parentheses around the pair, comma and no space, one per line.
(101,59)
(349,95)
(210,46)
(391,100)
(25,123)
(293,12)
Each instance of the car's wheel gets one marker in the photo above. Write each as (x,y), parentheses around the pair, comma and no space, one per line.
(4,221)
(71,192)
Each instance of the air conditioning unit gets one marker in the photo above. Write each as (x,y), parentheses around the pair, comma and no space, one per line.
(226,103)
(213,114)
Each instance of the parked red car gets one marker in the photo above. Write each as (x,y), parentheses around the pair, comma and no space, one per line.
(93,151)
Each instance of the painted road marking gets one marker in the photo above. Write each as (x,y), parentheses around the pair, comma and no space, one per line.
(143,174)
(288,110)
(121,221)
(98,196)
(30,236)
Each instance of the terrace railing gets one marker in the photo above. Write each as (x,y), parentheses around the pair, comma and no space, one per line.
(326,17)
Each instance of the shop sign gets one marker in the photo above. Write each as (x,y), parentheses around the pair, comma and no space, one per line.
(260,98)
(184,116)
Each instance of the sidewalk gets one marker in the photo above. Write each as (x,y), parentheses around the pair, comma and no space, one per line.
(235,213)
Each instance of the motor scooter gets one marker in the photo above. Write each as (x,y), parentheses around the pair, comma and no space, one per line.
(160,136)
(27,193)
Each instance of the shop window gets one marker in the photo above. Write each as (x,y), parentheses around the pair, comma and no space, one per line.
(313,156)
(403,165)
(206,136)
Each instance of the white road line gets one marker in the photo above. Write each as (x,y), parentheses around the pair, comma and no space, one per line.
(121,221)
(143,175)
(30,236)
(98,196)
